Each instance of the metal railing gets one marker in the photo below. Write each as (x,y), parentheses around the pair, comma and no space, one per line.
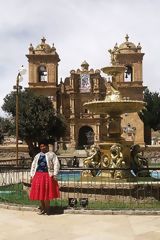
(81,191)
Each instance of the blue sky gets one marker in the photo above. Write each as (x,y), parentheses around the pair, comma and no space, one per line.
(81,30)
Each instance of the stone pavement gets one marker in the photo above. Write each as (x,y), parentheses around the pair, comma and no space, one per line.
(27,225)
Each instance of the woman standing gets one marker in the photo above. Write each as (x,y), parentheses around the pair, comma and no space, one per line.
(44,170)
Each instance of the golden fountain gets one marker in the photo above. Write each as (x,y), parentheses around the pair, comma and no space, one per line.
(114,106)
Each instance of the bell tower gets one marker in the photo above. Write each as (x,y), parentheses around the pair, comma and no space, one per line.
(43,69)
(130,82)
(128,55)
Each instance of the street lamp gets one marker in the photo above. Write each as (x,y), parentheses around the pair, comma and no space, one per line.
(19,78)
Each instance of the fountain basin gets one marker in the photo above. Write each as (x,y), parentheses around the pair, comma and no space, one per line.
(113,70)
(115,107)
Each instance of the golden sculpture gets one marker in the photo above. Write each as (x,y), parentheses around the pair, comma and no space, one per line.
(92,161)
(117,160)
(96,160)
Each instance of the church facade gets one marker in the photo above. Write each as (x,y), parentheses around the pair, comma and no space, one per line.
(87,84)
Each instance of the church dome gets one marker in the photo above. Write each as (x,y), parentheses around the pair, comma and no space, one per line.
(43,47)
(127,46)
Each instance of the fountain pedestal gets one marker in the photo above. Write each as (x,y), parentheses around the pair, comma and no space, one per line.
(114,127)
(125,149)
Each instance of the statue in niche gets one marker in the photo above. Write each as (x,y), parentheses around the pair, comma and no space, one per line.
(139,164)
(130,132)
(117,160)
(92,161)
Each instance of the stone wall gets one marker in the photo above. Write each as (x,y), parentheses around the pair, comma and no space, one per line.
(9,152)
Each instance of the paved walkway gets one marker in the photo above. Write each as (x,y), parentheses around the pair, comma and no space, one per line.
(24,225)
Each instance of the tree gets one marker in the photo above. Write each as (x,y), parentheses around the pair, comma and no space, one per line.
(37,118)
(151,114)
(6,128)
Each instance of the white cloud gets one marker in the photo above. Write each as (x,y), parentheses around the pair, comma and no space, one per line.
(80,30)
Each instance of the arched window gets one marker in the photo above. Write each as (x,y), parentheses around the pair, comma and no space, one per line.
(43,76)
(85,137)
(128,77)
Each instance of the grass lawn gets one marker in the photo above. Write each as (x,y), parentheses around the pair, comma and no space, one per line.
(17,195)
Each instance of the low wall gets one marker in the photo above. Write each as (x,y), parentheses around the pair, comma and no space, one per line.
(152,152)
(9,151)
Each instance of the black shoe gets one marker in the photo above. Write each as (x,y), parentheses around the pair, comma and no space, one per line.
(48,212)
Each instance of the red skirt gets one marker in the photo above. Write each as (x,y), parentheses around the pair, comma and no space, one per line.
(44,187)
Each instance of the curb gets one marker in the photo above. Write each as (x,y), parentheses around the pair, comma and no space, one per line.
(18,207)
(112,212)
(85,212)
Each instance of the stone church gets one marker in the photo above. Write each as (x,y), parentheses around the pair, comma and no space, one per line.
(86,84)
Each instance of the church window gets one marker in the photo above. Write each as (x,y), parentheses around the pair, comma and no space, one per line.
(128,74)
(43,76)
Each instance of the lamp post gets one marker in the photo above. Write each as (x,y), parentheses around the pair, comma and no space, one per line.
(19,78)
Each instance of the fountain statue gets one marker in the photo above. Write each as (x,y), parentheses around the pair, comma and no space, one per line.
(138,161)
(116,151)
(92,161)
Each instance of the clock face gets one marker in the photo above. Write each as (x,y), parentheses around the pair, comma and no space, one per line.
(85,83)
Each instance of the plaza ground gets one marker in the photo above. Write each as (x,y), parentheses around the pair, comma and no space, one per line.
(19,224)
